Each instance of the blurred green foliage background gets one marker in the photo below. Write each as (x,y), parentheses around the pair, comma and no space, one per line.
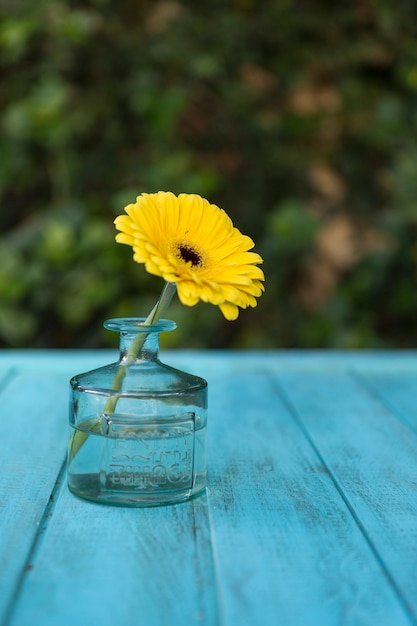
(298,117)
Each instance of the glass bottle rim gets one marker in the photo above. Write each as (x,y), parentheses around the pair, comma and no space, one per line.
(133,325)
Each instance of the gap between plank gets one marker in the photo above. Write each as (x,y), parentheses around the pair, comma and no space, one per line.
(8,377)
(297,419)
(367,385)
(37,540)
(218,607)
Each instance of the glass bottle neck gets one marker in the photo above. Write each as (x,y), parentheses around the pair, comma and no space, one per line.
(138,341)
(141,346)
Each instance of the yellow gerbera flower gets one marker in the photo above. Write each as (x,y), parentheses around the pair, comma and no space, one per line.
(190,242)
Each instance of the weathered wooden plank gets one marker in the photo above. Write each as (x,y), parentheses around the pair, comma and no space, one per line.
(372,456)
(289,551)
(73,361)
(65,362)
(33,416)
(94,564)
(285,546)
(105,565)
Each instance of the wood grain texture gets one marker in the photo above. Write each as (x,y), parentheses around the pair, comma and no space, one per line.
(289,550)
(309,517)
(103,565)
(372,457)
(33,445)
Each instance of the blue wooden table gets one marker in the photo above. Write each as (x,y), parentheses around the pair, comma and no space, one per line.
(310,516)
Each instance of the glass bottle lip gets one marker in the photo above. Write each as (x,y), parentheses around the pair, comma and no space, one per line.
(133,325)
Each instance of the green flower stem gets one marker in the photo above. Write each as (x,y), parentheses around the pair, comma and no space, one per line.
(156,313)
(80,437)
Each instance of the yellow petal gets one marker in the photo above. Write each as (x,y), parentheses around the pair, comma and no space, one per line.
(193,243)
(230,311)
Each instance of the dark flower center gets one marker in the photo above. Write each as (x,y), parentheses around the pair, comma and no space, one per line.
(188,254)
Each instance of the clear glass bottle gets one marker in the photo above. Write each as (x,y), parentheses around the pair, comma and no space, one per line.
(138,427)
